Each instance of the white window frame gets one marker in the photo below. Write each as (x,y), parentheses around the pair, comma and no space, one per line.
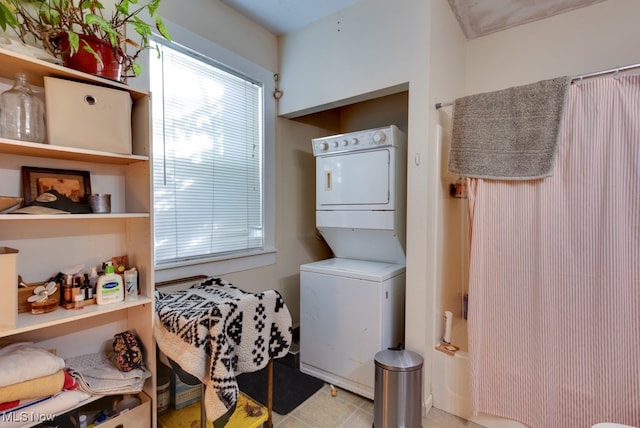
(250,259)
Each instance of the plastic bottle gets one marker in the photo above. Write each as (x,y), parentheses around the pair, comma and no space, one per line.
(448,319)
(83,421)
(131,284)
(110,288)
(101,417)
(93,279)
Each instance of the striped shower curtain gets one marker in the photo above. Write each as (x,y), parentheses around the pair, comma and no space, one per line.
(554,316)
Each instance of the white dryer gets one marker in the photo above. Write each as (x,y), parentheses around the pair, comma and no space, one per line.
(361,193)
(352,306)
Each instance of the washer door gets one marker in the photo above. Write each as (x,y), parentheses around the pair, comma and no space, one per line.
(357,180)
(338,338)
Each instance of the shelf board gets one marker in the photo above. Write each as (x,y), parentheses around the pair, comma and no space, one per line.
(25,148)
(72,217)
(29,322)
(36,69)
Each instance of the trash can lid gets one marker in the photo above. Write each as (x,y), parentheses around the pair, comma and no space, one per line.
(398,360)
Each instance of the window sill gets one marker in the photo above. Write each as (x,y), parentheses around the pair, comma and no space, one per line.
(216,267)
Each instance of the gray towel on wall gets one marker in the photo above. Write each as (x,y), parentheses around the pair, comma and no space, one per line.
(509,134)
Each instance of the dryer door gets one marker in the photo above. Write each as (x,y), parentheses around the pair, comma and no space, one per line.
(355,180)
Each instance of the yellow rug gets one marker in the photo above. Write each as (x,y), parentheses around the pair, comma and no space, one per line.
(248,414)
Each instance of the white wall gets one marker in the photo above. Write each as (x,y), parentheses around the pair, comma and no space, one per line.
(373,48)
(447,82)
(353,54)
(593,38)
(296,238)
(214,20)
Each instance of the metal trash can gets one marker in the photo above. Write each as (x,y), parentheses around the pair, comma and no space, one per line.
(397,398)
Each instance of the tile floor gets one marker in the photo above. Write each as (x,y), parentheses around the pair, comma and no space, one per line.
(351,411)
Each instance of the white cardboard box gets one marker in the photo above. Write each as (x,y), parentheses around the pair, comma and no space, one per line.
(87,116)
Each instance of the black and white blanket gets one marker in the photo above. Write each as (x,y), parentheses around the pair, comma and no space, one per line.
(214,331)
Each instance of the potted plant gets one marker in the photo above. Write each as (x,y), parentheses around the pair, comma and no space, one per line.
(85,34)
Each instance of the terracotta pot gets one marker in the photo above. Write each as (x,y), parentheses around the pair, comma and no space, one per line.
(82,60)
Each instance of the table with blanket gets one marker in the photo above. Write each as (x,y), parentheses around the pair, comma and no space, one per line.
(214,331)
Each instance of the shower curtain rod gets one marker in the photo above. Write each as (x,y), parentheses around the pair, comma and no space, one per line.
(574,78)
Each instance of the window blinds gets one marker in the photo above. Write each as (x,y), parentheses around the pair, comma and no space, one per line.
(207,161)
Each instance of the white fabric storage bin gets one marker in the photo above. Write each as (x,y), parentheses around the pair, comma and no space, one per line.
(87,116)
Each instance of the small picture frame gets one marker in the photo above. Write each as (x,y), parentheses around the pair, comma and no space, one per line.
(76,185)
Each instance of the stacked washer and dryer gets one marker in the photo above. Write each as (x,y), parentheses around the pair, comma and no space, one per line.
(352,305)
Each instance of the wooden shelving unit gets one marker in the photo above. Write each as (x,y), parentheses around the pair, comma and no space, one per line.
(49,243)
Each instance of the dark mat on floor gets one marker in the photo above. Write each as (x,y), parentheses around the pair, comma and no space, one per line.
(290,387)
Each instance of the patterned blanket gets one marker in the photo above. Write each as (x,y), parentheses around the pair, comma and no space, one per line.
(214,331)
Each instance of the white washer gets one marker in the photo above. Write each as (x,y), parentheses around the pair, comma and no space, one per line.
(349,310)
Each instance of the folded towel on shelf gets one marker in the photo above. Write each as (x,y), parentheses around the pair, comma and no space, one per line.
(25,361)
(97,375)
(509,134)
(43,386)
(38,411)
(32,389)
(10,406)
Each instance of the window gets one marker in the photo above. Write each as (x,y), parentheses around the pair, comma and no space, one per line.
(208,160)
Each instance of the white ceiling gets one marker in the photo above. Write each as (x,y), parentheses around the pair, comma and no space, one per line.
(283,16)
(476,17)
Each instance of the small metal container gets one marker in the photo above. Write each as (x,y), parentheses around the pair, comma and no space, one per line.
(100,203)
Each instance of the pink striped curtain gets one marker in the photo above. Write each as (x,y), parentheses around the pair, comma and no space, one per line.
(554,316)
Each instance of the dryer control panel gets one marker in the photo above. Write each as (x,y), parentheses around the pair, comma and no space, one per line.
(352,141)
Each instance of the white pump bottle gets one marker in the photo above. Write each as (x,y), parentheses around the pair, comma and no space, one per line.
(110,288)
